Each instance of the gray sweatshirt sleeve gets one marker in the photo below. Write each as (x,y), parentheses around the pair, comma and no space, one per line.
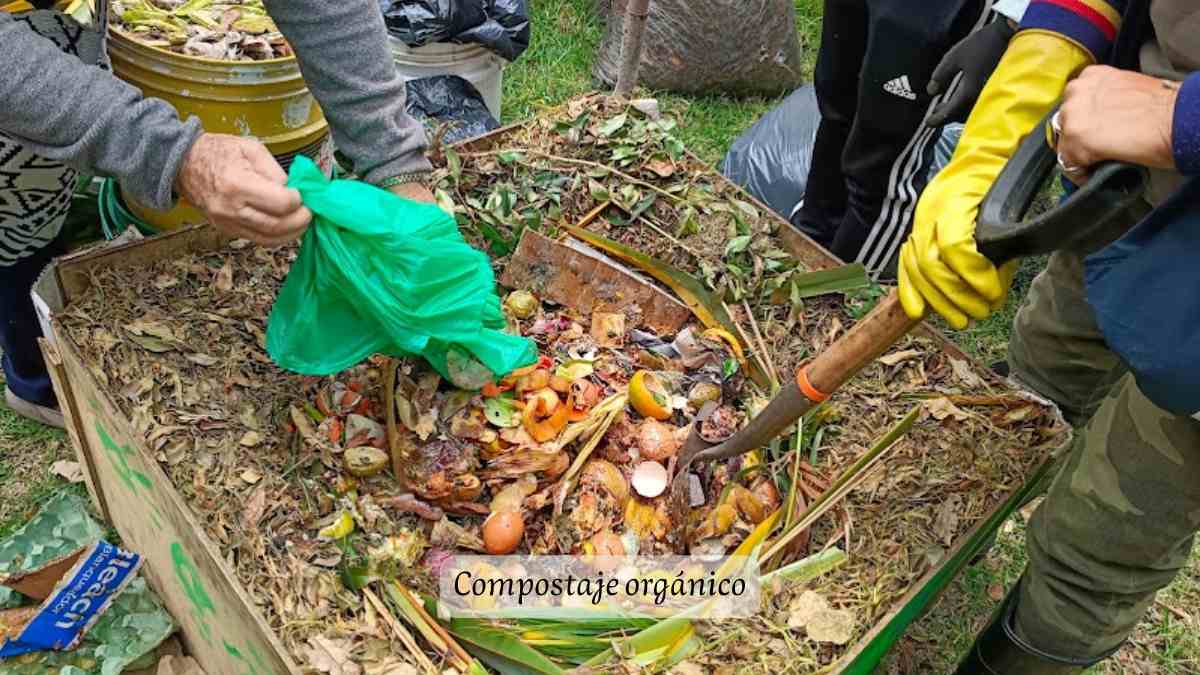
(342,49)
(87,118)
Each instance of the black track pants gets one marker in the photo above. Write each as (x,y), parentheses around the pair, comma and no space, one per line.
(873,149)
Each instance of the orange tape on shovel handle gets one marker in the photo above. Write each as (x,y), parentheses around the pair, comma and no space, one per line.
(810,392)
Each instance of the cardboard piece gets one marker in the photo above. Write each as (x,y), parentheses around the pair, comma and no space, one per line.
(575,275)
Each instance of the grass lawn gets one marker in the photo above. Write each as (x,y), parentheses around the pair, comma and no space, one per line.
(558,66)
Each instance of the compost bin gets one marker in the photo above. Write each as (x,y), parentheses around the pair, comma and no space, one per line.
(224,473)
(267,100)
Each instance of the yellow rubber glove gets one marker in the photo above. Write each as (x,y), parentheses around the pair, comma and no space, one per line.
(939,264)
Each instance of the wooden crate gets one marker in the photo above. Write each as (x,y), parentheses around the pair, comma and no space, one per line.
(221,626)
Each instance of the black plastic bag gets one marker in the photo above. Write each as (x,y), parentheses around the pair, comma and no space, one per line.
(500,25)
(449,99)
(694,46)
(771,159)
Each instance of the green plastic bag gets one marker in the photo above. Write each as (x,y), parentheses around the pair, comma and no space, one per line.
(378,273)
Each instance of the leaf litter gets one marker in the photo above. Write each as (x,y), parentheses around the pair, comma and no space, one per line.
(214,421)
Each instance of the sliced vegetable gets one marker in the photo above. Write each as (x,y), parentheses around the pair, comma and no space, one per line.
(575,369)
(502,412)
(340,528)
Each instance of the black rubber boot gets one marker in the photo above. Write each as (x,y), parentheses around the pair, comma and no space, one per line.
(999,651)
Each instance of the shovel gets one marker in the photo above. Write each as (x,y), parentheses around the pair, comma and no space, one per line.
(1092,214)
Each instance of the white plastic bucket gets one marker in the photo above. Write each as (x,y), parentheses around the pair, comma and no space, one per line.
(473,63)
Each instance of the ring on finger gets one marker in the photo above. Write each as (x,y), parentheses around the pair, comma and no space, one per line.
(1068,168)
(1055,130)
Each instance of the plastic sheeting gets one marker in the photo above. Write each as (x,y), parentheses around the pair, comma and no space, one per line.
(378,273)
(772,158)
(450,100)
(500,25)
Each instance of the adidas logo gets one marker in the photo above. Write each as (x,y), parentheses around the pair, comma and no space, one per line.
(900,87)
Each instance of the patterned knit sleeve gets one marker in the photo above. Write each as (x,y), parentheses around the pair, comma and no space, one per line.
(1091,24)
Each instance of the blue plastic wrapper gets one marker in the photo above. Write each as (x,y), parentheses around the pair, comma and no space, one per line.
(83,594)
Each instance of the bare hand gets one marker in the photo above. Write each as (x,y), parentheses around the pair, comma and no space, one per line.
(414,191)
(1111,114)
(242,189)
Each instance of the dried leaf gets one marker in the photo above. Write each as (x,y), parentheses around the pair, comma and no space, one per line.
(805,607)
(663,168)
(962,370)
(203,359)
(832,625)
(151,328)
(945,522)
(1021,414)
(331,656)
(390,666)
(255,506)
(250,439)
(941,408)
(811,611)
(647,106)
(223,279)
(608,329)
(69,471)
(406,412)
(151,343)
(896,357)
(252,476)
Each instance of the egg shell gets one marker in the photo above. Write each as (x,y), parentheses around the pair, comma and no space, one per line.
(502,532)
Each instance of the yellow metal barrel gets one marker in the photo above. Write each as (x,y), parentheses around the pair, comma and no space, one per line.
(267,100)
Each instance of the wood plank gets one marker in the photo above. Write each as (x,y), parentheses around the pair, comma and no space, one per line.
(578,277)
(67,403)
(74,270)
(222,628)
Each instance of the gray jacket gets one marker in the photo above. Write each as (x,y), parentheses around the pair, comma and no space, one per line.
(88,119)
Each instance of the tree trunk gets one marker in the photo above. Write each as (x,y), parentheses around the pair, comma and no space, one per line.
(631,47)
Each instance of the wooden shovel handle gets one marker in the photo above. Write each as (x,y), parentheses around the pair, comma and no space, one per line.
(817,379)
(862,344)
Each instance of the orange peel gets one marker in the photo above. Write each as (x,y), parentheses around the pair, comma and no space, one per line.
(648,396)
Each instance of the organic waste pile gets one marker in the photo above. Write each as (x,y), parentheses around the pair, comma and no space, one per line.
(321,492)
(228,30)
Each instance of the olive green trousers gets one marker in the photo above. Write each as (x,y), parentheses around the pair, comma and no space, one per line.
(1118,521)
